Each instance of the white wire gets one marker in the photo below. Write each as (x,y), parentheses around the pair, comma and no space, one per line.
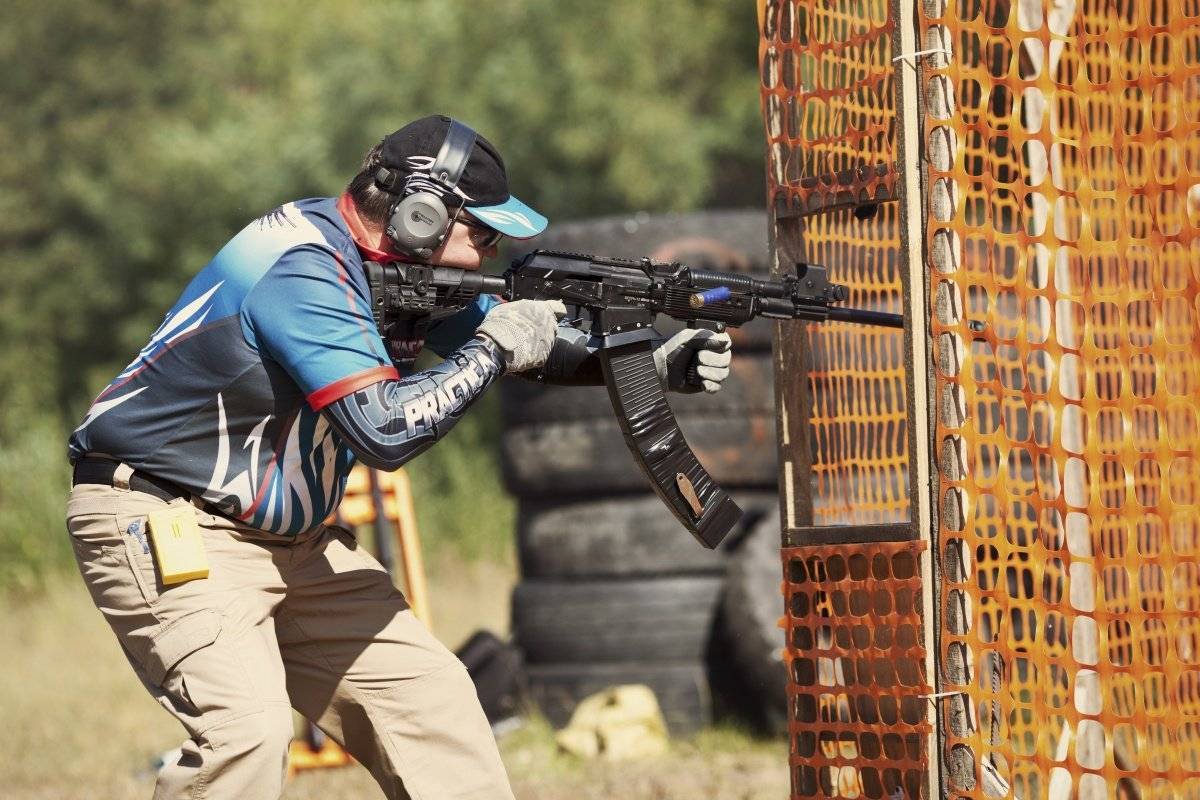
(914,55)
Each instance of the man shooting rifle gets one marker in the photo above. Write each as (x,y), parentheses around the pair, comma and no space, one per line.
(204,472)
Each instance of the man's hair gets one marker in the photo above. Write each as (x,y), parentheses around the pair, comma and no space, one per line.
(372,202)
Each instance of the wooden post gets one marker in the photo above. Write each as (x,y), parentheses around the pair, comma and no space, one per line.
(917,349)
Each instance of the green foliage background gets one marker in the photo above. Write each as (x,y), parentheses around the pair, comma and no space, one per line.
(138,135)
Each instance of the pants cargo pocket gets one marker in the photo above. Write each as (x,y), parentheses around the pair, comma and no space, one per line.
(206,675)
(198,673)
(179,639)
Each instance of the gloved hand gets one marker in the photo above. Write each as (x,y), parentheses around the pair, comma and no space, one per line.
(524,329)
(710,352)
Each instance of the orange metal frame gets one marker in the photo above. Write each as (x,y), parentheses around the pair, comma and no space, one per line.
(358,509)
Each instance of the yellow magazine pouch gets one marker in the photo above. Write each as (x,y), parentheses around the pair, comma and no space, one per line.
(178,546)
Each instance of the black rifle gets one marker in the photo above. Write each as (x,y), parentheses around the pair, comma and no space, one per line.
(616,300)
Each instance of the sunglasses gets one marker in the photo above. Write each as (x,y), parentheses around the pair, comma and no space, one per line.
(481,235)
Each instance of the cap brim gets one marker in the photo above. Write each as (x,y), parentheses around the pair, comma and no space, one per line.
(512,218)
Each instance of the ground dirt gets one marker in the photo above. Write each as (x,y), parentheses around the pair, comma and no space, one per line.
(77,724)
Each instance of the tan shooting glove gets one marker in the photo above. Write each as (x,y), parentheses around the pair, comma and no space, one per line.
(524,330)
(709,352)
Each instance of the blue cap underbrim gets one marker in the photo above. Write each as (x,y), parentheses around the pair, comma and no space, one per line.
(512,218)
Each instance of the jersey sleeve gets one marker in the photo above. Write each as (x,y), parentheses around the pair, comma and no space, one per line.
(450,333)
(309,315)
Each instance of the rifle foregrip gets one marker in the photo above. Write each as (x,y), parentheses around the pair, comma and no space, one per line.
(654,438)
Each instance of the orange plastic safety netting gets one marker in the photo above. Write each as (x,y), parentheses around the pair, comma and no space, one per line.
(857,380)
(1062,145)
(857,715)
(827,93)
(856,685)
(1062,141)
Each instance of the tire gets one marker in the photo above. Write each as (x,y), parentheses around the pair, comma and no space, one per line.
(590,458)
(750,389)
(732,240)
(663,619)
(749,619)
(740,236)
(622,537)
(681,689)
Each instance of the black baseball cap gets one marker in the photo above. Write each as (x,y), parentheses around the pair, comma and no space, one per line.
(484,183)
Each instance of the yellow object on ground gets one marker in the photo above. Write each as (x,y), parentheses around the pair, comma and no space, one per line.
(302,756)
(619,723)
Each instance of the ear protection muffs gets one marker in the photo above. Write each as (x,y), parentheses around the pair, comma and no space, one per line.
(419,219)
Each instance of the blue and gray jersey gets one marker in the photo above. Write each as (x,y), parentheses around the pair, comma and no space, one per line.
(225,400)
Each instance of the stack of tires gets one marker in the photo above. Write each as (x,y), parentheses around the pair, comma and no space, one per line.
(613,589)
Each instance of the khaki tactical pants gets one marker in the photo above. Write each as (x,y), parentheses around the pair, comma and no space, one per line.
(311,623)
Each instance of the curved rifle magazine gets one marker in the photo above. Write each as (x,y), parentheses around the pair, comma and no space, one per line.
(658,446)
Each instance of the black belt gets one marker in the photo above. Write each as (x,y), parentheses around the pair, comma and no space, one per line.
(91,469)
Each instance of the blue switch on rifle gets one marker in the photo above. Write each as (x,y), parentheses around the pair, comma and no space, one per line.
(709,296)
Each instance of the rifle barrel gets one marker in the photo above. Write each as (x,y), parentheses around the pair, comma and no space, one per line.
(863,317)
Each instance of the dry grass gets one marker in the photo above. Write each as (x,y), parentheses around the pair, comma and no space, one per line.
(77,724)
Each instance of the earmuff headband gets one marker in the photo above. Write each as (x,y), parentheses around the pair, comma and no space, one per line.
(454,154)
